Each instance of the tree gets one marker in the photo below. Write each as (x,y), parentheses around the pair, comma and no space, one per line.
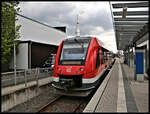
(9,31)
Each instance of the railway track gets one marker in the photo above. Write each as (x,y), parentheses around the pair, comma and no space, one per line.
(62,104)
(68,103)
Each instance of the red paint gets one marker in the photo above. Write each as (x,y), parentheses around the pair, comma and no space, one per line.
(89,69)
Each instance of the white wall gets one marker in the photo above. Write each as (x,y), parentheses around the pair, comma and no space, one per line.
(34,31)
(21,57)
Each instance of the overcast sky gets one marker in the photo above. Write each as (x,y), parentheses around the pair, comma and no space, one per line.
(94,17)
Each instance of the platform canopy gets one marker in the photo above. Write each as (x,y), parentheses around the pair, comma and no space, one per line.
(130,22)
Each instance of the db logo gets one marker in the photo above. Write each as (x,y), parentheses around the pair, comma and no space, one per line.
(68,70)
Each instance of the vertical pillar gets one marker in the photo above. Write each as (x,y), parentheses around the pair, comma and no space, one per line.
(25,78)
(147,56)
(145,66)
(134,61)
(30,49)
(133,54)
(128,56)
(37,76)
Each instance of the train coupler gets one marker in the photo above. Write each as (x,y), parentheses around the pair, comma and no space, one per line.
(67,83)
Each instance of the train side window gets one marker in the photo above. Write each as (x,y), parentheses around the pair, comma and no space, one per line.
(106,56)
(102,56)
(97,59)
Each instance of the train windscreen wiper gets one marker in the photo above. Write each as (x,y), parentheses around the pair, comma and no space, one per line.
(80,43)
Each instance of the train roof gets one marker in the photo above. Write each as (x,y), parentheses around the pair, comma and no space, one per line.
(87,38)
(79,37)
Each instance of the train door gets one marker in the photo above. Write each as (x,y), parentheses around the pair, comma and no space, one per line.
(98,58)
(103,58)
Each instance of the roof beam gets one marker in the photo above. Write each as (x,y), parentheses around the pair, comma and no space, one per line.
(126,36)
(129,23)
(128,27)
(118,35)
(130,5)
(127,33)
(124,32)
(131,19)
(127,30)
(131,13)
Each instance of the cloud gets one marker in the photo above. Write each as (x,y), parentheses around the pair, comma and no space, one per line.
(97,30)
(64,13)
(109,40)
(94,17)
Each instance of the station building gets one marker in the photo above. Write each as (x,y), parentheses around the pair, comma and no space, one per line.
(37,42)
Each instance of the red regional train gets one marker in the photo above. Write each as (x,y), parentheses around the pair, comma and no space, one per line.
(80,63)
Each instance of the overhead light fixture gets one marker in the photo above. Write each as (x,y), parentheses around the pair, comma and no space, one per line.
(124,13)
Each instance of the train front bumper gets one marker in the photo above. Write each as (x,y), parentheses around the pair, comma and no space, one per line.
(85,87)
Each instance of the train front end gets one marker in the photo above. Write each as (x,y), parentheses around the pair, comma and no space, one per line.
(70,64)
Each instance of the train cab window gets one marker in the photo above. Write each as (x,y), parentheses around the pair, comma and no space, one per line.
(97,59)
(74,52)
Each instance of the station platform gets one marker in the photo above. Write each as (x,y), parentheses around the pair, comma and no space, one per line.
(119,92)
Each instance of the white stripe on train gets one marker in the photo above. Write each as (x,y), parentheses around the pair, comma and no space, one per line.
(91,80)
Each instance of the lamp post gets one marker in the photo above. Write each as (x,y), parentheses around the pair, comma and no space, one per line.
(15,61)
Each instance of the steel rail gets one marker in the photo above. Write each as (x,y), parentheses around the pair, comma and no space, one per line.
(78,106)
(46,105)
(44,108)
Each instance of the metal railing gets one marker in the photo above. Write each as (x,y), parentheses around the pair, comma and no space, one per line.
(24,76)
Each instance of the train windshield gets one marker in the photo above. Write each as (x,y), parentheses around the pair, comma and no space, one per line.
(74,52)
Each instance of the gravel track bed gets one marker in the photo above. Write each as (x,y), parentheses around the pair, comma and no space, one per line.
(35,103)
(65,104)
(46,95)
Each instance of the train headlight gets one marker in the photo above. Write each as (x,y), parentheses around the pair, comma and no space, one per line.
(77,71)
(58,68)
(81,69)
